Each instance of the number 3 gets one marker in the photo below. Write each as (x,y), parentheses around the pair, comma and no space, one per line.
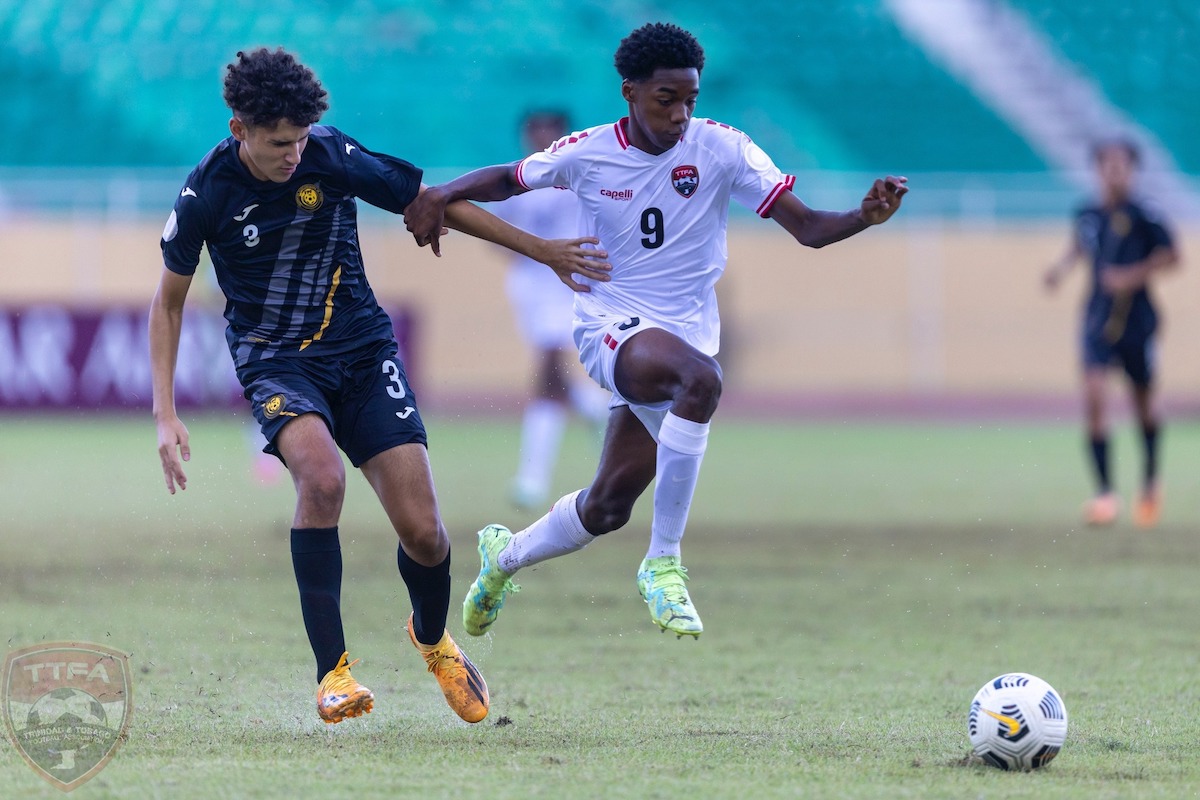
(251,234)
(392,370)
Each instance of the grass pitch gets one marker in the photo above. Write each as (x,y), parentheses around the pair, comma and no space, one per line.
(858,583)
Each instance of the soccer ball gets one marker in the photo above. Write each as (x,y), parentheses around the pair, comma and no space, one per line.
(1017,721)
(66,706)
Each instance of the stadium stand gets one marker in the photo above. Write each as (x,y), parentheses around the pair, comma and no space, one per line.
(828,86)
(1142,54)
(820,85)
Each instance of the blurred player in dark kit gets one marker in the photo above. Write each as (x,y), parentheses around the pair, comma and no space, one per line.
(1128,246)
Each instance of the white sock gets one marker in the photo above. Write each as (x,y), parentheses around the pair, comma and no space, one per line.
(541,434)
(556,534)
(681,445)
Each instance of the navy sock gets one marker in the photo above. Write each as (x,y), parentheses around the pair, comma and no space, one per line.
(1150,449)
(1100,463)
(317,560)
(429,591)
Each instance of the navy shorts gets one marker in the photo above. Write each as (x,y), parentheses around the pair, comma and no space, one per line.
(363,396)
(1134,353)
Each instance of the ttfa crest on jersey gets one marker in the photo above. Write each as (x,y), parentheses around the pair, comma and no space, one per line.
(685,179)
(67,707)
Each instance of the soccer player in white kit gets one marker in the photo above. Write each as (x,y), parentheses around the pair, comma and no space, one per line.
(542,308)
(655,187)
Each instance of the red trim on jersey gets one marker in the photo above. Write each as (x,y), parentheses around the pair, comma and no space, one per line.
(518,173)
(610,341)
(786,186)
(622,138)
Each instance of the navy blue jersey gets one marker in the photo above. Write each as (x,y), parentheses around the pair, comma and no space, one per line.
(1116,237)
(286,254)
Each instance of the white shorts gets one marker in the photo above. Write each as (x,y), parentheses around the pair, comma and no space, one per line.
(599,340)
(543,306)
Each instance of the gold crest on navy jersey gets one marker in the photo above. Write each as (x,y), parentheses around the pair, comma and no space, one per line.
(309,197)
(274,406)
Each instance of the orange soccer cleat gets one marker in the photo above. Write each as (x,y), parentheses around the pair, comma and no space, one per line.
(464,688)
(340,697)
(1101,509)
(1149,508)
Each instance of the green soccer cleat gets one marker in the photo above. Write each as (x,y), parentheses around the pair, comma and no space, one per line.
(486,596)
(661,581)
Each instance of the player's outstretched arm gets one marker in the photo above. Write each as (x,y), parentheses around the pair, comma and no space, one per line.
(425,216)
(166,321)
(567,257)
(1066,262)
(814,228)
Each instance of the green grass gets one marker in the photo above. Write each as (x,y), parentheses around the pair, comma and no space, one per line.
(858,583)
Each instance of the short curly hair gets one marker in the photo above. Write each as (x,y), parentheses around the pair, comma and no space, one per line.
(265,86)
(657,45)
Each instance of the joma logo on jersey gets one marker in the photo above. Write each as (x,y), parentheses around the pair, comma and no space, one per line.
(617,194)
(309,197)
(685,179)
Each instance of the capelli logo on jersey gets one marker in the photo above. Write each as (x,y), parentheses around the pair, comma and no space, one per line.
(309,197)
(617,194)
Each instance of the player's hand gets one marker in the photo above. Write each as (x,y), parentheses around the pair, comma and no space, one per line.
(425,218)
(570,257)
(1052,278)
(883,199)
(173,450)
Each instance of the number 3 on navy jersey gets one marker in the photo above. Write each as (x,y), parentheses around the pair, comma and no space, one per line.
(251,234)
(392,370)
(652,226)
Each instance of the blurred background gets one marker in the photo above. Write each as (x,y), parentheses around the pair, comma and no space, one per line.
(988,106)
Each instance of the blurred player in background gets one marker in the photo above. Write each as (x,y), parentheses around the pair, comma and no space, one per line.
(655,187)
(1128,247)
(314,352)
(542,306)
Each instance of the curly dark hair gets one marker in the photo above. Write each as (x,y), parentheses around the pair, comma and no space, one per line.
(655,45)
(264,86)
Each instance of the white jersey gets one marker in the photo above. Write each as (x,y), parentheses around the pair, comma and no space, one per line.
(550,214)
(542,304)
(661,218)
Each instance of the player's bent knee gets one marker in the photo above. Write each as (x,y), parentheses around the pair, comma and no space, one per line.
(700,391)
(321,489)
(426,544)
(601,516)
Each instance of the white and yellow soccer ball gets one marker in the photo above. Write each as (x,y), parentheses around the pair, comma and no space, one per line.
(1017,722)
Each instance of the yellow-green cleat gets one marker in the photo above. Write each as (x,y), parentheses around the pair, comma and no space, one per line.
(486,596)
(662,584)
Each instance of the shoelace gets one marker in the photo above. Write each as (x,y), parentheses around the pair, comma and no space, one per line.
(342,681)
(508,587)
(437,658)
(671,582)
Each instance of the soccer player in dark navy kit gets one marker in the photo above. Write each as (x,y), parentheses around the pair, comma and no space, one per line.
(1128,247)
(275,205)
